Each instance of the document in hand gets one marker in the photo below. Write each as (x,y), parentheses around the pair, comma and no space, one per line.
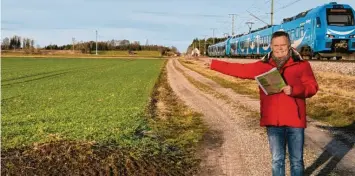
(271,81)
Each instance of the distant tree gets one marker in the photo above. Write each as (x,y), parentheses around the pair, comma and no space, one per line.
(18,43)
(5,44)
(32,43)
(174,49)
(28,43)
(13,42)
(24,43)
(124,42)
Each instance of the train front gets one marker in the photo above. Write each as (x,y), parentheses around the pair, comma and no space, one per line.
(339,29)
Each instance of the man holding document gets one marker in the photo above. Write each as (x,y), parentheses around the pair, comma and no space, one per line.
(285,81)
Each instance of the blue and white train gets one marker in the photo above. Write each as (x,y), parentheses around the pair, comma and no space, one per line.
(325,31)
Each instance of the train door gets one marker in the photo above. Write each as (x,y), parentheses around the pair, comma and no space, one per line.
(228,47)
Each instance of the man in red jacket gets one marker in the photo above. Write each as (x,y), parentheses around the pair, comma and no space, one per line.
(284,113)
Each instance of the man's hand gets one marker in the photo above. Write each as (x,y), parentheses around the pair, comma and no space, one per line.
(287,90)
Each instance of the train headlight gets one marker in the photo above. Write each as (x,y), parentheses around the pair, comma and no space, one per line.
(330,36)
(352,36)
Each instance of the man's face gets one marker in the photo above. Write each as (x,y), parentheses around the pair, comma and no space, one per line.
(280,46)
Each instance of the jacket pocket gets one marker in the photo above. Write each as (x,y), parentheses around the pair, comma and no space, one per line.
(298,108)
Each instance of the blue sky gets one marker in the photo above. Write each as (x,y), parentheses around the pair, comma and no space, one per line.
(163,22)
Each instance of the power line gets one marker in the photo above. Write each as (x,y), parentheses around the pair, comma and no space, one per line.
(287,5)
(257,18)
(241,24)
(181,14)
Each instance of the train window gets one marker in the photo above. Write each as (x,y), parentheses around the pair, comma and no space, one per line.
(292,34)
(265,41)
(233,46)
(340,17)
(318,22)
(297,33)
(268,40)
(302,31)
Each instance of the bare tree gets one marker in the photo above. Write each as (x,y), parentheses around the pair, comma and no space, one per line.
(5,43)
(32,43)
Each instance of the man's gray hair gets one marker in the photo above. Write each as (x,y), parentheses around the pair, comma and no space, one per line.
(281,33)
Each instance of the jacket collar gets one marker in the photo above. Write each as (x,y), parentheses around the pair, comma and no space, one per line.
(295,56)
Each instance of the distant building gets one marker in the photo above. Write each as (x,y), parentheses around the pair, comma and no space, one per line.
(195,52)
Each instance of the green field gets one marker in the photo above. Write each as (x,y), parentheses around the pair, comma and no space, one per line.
(90,116)
(78,54)
(100,100)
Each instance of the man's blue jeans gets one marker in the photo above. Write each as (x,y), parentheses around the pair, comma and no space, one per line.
(278,138)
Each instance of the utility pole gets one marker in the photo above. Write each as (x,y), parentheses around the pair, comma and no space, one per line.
(204,48)
(250,24)
(199,45)
(73,39)
(96,42)
(272,12)
(232,22)
(213,29)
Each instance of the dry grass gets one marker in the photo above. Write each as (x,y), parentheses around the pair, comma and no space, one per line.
(336,83)
(241,86)
(335,101)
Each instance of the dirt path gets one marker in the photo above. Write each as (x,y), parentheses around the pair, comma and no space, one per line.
(233,147)
(228,145)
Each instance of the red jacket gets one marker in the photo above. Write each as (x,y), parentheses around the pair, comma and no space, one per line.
(278,109)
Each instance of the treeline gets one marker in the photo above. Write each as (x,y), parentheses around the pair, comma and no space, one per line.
(120,45)
(202,45)
(17,42)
